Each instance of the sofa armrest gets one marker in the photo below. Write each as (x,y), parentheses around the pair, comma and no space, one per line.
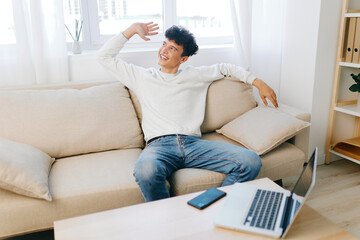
(301,140)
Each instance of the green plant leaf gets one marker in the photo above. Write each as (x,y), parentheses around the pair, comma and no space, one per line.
(76,29)
(69,32)
(356,77)
(355,88)
(79,32)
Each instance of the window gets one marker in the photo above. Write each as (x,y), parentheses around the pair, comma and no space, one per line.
(209,20)
(115,15)
(212,21)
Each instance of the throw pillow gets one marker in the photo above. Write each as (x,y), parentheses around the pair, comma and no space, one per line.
(263,128)
(24,169)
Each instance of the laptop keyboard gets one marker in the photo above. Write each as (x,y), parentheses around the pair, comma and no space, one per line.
(264,209)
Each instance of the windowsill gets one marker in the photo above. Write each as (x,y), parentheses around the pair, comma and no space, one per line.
(151,49)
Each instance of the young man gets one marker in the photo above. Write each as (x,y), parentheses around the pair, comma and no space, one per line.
(173,107)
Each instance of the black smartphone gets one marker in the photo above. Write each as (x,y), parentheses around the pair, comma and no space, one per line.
(206,198)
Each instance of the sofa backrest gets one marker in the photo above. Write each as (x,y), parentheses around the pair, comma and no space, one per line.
(76,118)
(226,99)
(71,121)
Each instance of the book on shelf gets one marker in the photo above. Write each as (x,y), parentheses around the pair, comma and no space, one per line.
(356,48)
(350,33)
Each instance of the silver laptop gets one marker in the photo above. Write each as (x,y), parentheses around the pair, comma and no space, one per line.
(264,210)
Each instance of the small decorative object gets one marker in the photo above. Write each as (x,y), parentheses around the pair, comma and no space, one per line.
(76,47)
(355,87)
(76,44)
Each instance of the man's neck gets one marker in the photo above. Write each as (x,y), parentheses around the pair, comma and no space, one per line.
(169,71)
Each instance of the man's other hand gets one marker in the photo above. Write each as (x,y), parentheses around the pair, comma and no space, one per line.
(265,92)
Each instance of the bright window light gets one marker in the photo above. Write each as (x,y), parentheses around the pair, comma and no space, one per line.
(205,18)
(7,27)
(116,15)
(209,20)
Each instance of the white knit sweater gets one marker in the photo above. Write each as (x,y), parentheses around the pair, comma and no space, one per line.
(170,103)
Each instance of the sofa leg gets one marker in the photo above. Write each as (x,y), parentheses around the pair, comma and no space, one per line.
(279,182)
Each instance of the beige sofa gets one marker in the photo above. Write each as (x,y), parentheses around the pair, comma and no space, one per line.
(93,130)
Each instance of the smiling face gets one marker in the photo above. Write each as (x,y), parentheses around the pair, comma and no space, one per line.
(170,56)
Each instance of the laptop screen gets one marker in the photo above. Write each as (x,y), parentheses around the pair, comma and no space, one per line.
(303,184)
(300,191)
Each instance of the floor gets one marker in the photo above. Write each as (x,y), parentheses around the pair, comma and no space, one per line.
(336,196)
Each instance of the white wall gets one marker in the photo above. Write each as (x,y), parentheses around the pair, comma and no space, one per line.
(330,16)
(309,57)
(299,53)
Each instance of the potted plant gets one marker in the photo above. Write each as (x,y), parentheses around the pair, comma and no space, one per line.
(78,29)
(355,87)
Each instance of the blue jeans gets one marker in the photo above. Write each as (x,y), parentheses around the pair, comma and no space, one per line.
(166,154)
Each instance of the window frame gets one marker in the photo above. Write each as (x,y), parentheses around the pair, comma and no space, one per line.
(93,40)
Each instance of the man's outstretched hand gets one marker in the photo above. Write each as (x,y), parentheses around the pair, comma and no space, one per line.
(142,29)
(265,92)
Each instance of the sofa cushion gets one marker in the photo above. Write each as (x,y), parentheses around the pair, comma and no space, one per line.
(68,122)
(226,99)
(263,128)
(79,185)
(24,169)
(286,160)
(188,180)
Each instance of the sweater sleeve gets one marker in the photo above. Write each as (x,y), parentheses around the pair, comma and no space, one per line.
(220,70)
(126,73)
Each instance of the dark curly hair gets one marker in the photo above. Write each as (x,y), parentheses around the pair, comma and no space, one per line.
(183,37)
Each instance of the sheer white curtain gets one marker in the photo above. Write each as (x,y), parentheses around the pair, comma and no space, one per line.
(241,12)
(258,32)
(267,41)
(34,50)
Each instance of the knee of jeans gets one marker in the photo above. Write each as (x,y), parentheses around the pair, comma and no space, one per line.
(145,170)
(253,165)
(256,163)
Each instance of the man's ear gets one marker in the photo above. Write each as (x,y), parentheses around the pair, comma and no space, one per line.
(184,59)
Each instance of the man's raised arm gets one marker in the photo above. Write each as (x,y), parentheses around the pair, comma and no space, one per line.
(128,74)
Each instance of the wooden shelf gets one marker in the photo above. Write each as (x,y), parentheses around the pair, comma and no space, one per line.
(353,109)
(344,156)
(347,64)
(348,38)
(352,15)
(349,149)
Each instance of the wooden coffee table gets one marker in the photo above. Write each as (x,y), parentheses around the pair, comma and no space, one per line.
(172,218)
